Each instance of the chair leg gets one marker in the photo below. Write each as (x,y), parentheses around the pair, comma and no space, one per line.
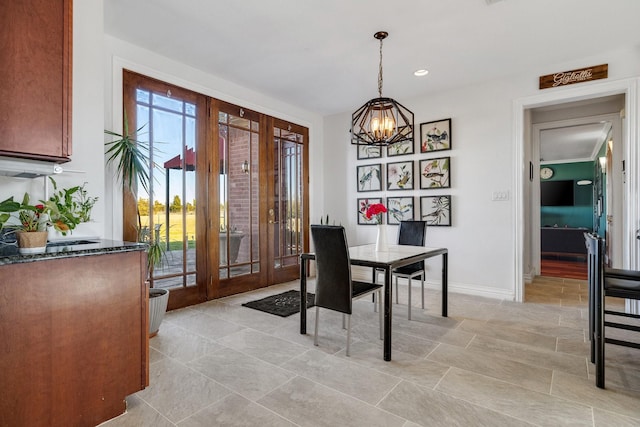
(380,311)
(599,335)
(422,289)
(397,290)
(343,321)
(374,298)
(409,290)
(315,333)
(348,335)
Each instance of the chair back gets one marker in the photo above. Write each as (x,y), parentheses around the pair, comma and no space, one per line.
(412,233)
(595,265)
(333,268)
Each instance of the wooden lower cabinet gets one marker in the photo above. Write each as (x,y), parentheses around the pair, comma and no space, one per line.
(73,339)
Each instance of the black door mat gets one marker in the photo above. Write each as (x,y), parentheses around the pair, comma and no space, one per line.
(283,305)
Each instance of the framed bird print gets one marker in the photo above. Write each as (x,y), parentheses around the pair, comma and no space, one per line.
(369,177)
(369,152)
(400,176)
(435,136)
(400,148)
(363,205)
(399,209)
(436,210)
(435,173)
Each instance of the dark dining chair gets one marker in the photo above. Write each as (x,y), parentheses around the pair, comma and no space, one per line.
(335,289)
(607,282)
(411,233)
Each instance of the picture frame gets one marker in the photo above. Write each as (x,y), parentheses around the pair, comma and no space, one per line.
(436,210)
(400,175)
(369,152)
(363,204)
(400,149)
(369,178)
(399,209)
(435,136)
(435,173)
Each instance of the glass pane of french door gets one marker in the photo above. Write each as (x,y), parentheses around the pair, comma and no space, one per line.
(288,214)
(167,210)
(239,138)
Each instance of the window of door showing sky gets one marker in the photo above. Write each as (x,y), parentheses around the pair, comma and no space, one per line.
(168,124)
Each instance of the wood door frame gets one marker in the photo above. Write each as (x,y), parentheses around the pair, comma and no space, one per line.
(631,150)
(218,288)
(292,272)
(178,297)
(207,209)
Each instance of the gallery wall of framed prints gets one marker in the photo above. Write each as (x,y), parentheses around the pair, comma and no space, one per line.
(415,188)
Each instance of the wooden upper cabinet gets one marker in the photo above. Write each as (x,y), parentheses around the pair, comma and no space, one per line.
(35,79)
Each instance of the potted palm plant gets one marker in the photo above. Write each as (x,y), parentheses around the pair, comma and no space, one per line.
(130,157)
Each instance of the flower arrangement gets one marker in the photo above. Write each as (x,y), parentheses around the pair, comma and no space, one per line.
(375,209)
(65,209)
(32,217)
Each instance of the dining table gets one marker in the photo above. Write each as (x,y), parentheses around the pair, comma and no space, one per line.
(385,261)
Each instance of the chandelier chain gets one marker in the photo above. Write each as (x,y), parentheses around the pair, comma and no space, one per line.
(380,73)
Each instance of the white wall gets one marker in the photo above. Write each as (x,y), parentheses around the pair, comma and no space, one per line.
(87,104)
(481,241)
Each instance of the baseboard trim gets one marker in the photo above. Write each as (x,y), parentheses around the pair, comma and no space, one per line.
(364,273)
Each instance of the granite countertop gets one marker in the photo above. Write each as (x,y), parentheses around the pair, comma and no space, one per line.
(9,252)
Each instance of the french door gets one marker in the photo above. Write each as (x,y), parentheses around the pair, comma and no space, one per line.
(228,196)
(263,208)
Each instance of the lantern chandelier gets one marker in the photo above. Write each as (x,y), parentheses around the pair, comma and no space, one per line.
(381,121)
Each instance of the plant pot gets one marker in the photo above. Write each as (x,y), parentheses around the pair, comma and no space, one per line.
(158,299)
(32,242)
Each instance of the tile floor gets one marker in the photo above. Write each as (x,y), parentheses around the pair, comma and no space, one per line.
(491,363)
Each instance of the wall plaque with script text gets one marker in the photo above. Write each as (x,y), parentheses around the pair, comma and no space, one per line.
(564,78)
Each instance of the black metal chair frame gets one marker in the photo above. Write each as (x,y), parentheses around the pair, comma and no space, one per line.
(335,289)
(411,271)
(606,282)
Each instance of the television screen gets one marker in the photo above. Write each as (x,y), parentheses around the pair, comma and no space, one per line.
(556,193)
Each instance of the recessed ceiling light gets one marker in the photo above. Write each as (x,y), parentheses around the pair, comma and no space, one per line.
(421,72)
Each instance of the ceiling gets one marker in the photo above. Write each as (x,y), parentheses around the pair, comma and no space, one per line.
(572,143)
(321,55)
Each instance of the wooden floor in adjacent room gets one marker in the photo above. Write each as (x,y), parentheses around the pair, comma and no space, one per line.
(566,268)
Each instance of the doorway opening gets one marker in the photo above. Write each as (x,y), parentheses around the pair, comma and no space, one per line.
(573,193)
(527,164)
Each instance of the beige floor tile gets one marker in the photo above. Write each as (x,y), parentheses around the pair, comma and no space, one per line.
(621,401)
(527,376)
(180,344)
(575,347)
(431,408)
(211,327)
(178,392)
(246,375)
(235,410)
(409,367)
(247,317)
(539,328)
(139,414)
(219,363)
(518,402)
(607,419)
(343,375)
(509,334)
(307,403)
(575,365)
(262,346)
(433,332)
